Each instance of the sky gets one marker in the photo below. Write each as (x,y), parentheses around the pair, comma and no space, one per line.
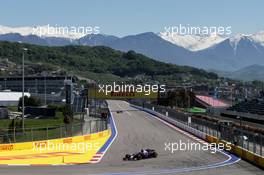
(126,17)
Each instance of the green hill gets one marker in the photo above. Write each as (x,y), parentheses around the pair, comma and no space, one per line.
(102,63)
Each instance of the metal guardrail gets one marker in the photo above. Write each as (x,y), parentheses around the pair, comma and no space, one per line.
(253,142)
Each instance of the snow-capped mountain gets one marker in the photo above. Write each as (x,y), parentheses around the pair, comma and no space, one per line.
(235,40)
(193,42)
(24,31)
(189,42)
(201,42)
(255,40)
(42,31)
(258,37)
(232,54)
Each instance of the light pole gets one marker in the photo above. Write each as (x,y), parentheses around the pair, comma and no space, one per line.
(23,89)
(45,89)
(240,121)
(232,91)
(241,137)
(36,84)
(53,94)
(5,84)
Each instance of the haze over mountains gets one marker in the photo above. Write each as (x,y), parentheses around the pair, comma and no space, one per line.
(208,52)
(253,72)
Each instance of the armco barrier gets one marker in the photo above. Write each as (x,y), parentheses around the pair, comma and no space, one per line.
(241,152)
(26,153)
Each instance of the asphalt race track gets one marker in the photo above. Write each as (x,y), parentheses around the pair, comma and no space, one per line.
(136,130)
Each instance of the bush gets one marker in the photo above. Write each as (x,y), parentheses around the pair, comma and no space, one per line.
(29,101)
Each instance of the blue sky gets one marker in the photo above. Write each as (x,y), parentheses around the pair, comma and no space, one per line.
(123,17)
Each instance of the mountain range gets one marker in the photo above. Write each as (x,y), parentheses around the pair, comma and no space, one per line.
(208,52)
(253,72)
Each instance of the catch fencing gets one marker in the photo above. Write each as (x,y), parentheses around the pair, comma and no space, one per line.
(251,141)
(15,135)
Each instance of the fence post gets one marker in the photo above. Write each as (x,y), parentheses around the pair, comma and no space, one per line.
(90,126)
(242,141)
(31,130)
(66,130)
(254,143)
(248,144)
(82,128)
(14,133)
(60,131)
(97,125)
(47,134)
(72,130)
(261,144)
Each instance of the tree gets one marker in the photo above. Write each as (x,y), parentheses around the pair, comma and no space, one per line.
(180,98)
(29,101)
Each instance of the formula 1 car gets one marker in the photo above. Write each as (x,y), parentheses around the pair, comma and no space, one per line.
(146,154)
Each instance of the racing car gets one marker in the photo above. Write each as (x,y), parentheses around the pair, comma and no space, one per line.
(143,154)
